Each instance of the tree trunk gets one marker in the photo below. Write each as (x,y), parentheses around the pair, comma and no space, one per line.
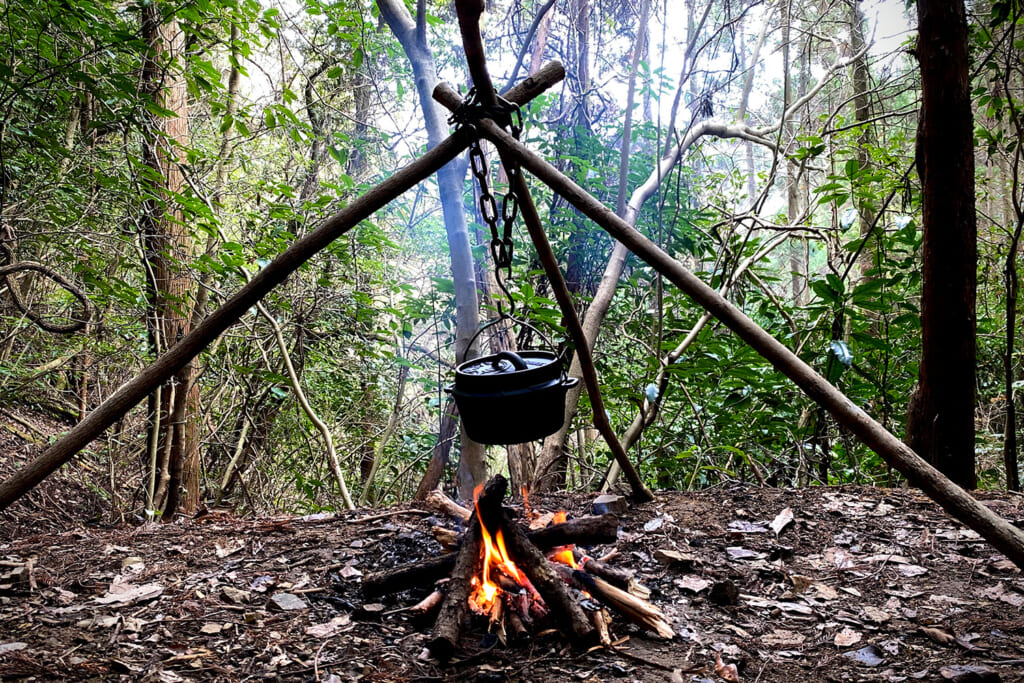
(413,38)
(168,251)
(941,427)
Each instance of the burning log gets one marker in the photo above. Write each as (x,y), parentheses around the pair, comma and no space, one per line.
(568,615)
(445,636)
(582,531)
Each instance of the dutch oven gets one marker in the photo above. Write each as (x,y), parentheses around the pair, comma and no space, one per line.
(511,397)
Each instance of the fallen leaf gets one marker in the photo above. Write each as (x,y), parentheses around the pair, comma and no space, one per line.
(868,656)
(329,628)
(123,592)
(909,570)
(940,636)
(782,520)
(824,591)
(229,549)
(692,583)
(783,638)
(212,628)
(738,553)
(742,526)
(726,671)
(876,615)
(969,673)
(12,647)
(847,637)
(999,592)
(838,558)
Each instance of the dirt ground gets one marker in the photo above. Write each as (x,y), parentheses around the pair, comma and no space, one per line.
(862,584)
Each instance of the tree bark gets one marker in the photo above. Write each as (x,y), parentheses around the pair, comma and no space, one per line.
(941,427)
(168,252)
(412,35)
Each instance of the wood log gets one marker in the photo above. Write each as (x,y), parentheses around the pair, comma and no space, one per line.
(444,639)
(448,538)
(442,503)
(582,531)
(567,613)
(640,612)
(616,576)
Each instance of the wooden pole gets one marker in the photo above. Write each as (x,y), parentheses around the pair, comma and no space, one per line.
(957,502)
(469,12)
(175,358)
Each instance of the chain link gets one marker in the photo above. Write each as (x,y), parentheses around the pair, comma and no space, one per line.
(507,115)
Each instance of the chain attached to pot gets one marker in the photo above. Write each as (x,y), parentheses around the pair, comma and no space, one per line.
(509,116)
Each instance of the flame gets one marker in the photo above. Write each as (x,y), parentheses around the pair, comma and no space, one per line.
(560,517)
(565,556)
(495,558)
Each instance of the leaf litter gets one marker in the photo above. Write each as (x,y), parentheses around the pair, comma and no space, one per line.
(790,586)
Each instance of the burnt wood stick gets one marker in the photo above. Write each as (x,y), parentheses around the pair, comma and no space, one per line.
(640,612)
(444,639)
(582,531)
(567,613)
(616,576)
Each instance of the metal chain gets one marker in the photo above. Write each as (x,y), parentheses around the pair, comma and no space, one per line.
(507,115)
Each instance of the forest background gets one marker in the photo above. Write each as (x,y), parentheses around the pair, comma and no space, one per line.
(154,156)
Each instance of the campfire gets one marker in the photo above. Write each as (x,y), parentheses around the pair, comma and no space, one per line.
(522,580)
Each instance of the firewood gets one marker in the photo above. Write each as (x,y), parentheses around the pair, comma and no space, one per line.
(442,503)
(517,629)
(445,637)
(568,615)
(427,604)
(640,612)
(582,531)
(600,621)
(617,576)
(448,538)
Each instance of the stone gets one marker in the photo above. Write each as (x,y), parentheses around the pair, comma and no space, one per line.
(610,502)
(286,602)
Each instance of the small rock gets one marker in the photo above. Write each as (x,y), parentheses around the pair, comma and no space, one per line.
(968,673)
(372,610)
(236,596)
(211,628)
(12,647)
(286,602)
(609,502)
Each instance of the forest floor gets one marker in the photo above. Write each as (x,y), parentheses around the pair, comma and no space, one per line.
(863,584)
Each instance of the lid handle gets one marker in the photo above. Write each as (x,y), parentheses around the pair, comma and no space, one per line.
(513,358)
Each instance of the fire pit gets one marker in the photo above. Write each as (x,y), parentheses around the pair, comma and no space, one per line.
(522,581)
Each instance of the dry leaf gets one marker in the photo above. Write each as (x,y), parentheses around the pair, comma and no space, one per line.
(876,615)
(212,628)
(847,637)
(726,671)
(782,520)
(122,592)
(940,636)
(328,629)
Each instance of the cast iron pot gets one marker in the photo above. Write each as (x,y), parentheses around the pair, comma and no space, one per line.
(511,397)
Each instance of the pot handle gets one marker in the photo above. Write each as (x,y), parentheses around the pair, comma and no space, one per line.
(513,358)
(570,382)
